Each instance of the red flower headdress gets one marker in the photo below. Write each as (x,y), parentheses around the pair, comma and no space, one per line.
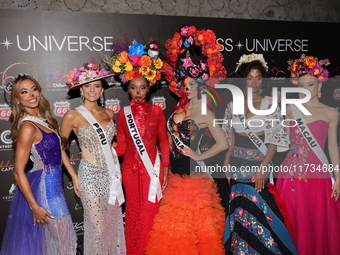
(308,65)
(194,53)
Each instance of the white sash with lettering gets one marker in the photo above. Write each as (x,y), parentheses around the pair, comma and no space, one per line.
(256,141)
(116,190)
(153,171)
(311,141)
(179,144)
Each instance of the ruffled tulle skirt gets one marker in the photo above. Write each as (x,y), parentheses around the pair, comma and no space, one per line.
(190,220)
(23,238)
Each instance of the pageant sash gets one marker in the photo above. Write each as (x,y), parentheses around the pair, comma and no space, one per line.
(180,145)
(255,140)
(116,190)
(309,138)
(153,171)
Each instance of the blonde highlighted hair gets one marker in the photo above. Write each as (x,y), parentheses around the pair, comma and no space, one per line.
(18,113)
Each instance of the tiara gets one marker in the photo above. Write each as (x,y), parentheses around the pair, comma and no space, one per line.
(308,65)
(137,60)
(251,57)
(8,85)
(87,73)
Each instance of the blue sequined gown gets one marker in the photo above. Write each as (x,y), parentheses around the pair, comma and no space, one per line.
(21,236)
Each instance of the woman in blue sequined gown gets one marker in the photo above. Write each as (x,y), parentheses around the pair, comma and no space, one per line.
(39,222)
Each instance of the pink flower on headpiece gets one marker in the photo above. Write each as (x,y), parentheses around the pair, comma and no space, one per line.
(205,76)
(190,40)
(194,72)
(136,60)
(86,65)
(103,72)
(203,65)
(187,62)
(94,67)
(184,31)
(71,74)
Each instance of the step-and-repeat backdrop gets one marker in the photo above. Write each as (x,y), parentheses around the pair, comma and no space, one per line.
(56,42)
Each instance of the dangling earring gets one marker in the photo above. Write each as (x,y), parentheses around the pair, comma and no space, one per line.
(319,93)
(82,98)
(102,100)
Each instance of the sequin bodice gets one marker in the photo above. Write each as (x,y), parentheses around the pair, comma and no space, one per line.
(90,144)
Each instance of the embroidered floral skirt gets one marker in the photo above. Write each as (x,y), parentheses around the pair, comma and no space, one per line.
(254,223)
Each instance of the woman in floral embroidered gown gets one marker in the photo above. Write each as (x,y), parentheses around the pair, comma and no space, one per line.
(254,223)
(312,201)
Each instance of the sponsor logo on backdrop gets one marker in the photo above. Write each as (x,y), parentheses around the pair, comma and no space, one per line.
(79,228)
(57,82)
(336,95)
(78,206)
(6,166)
(263,45)
(74,158)
(60,108)
(335,74)
(58,43)
(160,101)
(5,111)
(8,198)
(113,104)
(6,141)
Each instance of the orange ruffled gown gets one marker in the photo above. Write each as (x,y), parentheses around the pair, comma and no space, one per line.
(191,219)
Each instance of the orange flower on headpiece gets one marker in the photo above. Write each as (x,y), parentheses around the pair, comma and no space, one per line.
(308,65)
(124,57)
(311,61)
(138,60)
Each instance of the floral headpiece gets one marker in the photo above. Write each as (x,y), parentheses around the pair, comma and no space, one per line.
(8,85)
(138,60)
(194,53)
(87,73)
(308,65)
(251,57)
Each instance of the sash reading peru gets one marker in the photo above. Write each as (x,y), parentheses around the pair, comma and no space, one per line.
(153,171)
(116,190)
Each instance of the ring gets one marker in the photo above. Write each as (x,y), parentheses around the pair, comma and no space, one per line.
(38,220)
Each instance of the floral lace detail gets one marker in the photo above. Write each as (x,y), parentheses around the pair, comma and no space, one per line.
(247,154)
(299,152)
(251,223)
(274,132)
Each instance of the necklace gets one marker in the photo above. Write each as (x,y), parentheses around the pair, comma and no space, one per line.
(30,117)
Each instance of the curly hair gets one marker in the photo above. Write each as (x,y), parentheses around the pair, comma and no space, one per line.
(245,68)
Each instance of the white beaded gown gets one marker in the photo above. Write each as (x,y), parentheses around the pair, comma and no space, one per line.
(103,223)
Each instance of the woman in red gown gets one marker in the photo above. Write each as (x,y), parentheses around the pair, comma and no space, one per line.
(150,122)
